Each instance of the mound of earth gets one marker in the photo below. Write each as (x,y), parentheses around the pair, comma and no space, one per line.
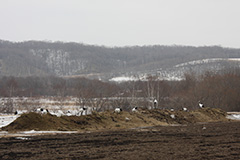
(183,117)
(111,121)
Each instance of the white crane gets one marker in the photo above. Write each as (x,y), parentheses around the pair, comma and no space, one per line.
(118,110)
(200,104)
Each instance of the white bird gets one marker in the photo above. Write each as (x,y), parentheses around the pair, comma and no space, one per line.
(172,116)
(184,109)
(200,104)
(155,102)
(59,113)
(69,113)
(73,113)
(135,109)
(45,111)
(39,110)
(42,111)
(82,110)
(118,110)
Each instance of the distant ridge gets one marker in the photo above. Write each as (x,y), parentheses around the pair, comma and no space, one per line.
(43,58)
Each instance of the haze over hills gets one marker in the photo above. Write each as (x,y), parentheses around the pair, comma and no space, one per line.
(40,58)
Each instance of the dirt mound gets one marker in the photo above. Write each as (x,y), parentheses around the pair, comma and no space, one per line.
(111,121)
(184,117)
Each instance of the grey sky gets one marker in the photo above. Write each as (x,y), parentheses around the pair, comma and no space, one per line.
(123,22)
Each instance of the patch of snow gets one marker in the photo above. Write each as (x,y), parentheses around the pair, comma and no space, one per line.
(7,119)
(29,132)
(123,79)
(209,60)
(59,113)
(202,61)
(22,138)
(22,135)
(234,59)
(46,132)
(234,116)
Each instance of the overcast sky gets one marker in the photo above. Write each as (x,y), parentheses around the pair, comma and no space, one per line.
(123,22)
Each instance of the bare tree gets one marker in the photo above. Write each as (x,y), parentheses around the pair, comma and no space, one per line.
(12,86)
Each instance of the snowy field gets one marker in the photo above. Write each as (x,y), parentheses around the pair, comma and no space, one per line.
(55,105)
(26,103)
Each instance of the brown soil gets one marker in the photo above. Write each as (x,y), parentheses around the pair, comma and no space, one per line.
(208,141)
(113,121)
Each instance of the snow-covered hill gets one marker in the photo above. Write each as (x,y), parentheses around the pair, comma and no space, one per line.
(177,72)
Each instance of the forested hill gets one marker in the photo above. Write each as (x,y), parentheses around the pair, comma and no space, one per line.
(33,58)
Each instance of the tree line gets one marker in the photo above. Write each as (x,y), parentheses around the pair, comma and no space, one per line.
(220,90)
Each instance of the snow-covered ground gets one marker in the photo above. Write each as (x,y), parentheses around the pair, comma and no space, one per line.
(7,119)
(123,79)
(233,115)
(24,135)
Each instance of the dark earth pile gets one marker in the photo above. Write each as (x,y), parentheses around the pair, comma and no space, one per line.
(111,121)
(194,141)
